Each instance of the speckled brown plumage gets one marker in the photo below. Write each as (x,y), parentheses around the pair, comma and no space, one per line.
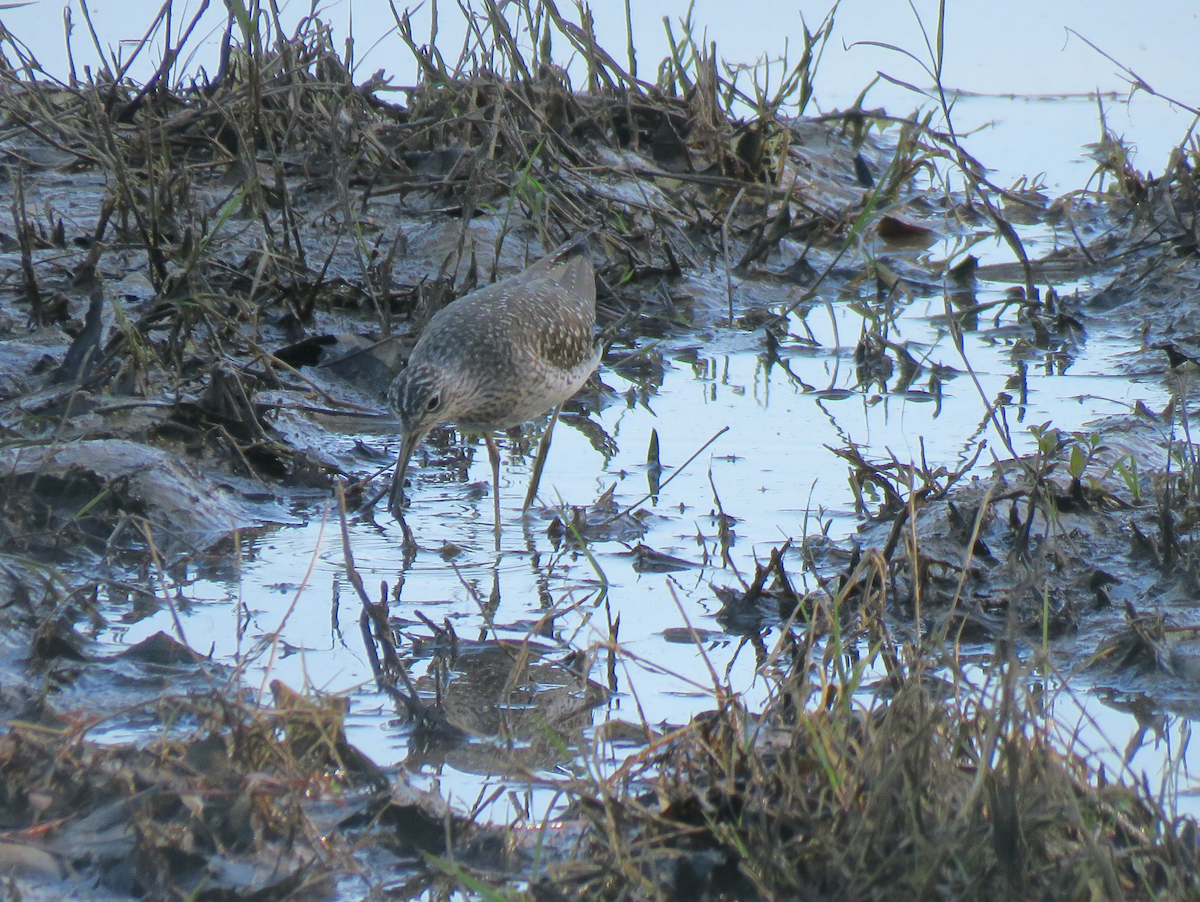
(502,355)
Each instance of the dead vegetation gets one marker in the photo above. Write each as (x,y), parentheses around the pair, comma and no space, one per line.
(223,811)
(911,788)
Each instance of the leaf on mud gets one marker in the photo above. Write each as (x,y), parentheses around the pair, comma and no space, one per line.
(647,560)
(162,650)
(898,232)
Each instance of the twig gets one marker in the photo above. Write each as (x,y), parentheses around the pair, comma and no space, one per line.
(725,250)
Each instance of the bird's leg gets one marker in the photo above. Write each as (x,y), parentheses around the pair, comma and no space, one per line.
(494,459)
(539,461)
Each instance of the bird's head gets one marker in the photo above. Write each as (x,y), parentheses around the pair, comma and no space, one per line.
(423,396)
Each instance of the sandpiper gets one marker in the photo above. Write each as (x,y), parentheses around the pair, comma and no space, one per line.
(499,357)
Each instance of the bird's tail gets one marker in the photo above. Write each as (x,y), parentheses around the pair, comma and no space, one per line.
(578,246)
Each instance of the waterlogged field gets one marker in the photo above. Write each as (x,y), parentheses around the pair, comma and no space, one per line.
(881,453)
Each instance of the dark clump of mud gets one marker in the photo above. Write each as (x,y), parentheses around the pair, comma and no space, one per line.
(207,281)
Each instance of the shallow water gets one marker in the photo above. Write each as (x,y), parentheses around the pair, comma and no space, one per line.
(771,471)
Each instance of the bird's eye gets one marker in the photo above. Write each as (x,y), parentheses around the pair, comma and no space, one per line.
(433,403)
